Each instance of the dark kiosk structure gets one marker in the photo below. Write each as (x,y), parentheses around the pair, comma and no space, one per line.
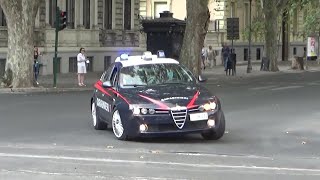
(164,33)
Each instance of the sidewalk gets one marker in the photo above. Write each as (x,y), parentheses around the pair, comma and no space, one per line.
(68,82)
(218,73)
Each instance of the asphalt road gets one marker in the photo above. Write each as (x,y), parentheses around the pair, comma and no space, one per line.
(272,132)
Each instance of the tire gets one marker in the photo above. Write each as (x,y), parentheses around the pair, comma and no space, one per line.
(118,128)
(218,133)
(96,122)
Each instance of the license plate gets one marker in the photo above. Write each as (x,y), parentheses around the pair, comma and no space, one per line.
(198,116)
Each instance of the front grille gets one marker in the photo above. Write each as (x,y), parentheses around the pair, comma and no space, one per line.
(179,117)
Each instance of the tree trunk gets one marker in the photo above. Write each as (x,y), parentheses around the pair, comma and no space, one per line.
(285,35)
(271,26)
(198,17)
(271,9)
(20,16)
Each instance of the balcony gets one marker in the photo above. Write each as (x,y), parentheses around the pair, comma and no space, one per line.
(119,38)
(72,37)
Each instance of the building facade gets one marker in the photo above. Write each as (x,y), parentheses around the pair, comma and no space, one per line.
(220,10)
(105,28)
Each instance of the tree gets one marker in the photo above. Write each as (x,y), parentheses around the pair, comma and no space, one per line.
(20,17)
(271,10)
(198,17)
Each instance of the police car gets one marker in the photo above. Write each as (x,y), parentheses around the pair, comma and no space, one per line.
(151,95)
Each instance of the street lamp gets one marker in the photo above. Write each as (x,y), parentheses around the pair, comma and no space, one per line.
(249,68)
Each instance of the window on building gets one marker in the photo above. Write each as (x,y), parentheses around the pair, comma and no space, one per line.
(73,66)
(70,8)
(3,21)
(86,14)
(90,65)
(246,15)
(233,9)
(258,54)
(159,7)
(2,67)
(108,14)
(107,62)
(52,13)
(294,51)
(127,15)
(245,54)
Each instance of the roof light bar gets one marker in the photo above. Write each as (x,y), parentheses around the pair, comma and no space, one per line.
(124,57)
(161,54)
(147,55)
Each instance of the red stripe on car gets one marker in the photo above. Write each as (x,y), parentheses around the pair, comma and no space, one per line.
(114,91)
(98,85)
(159,103)
(191,103)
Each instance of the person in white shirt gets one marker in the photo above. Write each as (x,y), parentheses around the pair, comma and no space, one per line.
(211,56)
(82,69)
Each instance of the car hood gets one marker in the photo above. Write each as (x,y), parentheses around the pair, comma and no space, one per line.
(167,96)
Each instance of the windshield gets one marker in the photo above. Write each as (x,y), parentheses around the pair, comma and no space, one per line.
(154,74)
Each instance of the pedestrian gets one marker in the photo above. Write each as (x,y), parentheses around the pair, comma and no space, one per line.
(225,53)
(211,56)
(36,65)
(82,69)
(203,57)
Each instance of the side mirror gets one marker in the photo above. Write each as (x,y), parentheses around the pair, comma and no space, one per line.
(107,84)
(202,79)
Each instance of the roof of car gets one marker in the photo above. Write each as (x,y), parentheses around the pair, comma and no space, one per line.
(138,60)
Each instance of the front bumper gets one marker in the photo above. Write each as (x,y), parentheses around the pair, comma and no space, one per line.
(164,124)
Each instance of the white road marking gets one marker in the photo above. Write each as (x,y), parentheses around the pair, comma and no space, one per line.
(242,167)
(287,87)
(262,87)
(117,150)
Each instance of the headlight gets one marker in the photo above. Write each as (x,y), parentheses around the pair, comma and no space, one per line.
(136,110)
(144,111)
(208,106)
(152,111)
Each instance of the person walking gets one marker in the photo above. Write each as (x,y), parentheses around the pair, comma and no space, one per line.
(225,54)
(203,57)
(211,56)
(82,69)
(36,65)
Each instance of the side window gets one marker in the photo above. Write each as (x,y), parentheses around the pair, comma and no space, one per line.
(113,77)
(106,75)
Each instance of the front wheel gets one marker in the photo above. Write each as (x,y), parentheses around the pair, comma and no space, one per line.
(217,133)
(118,128)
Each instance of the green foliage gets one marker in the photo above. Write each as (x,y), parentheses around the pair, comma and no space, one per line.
(257,25)
(312,19)
(257,29)
(311,13)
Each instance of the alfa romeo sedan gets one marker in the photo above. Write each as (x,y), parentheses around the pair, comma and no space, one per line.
(151,95)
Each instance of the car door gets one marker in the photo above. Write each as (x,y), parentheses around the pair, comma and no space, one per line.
(103,96)
(110,96)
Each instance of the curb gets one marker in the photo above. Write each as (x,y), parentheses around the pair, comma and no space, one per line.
(41,90)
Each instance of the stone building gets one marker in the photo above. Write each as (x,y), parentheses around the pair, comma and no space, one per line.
(220,10)
(105,28)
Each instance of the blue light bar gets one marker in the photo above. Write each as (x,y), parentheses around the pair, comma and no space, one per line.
(161,54)
(124,57)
